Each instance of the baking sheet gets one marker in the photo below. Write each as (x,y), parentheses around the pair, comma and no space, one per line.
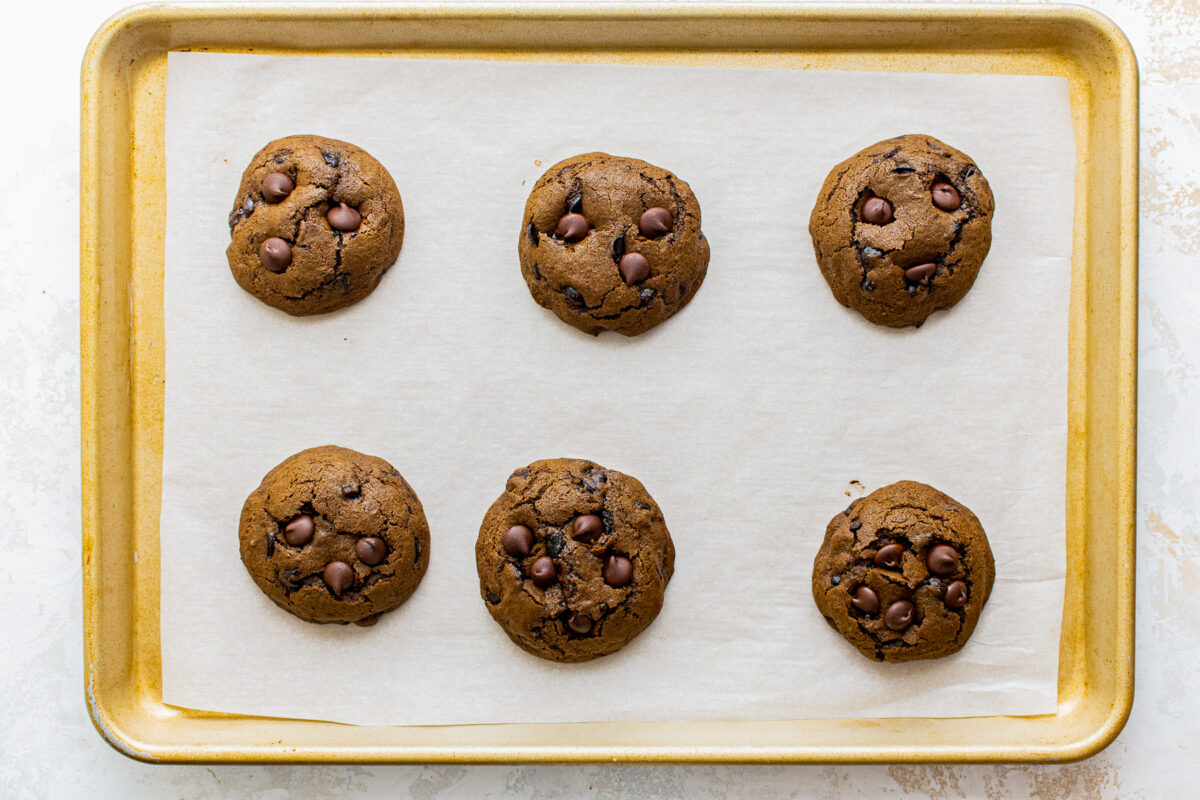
(749,416)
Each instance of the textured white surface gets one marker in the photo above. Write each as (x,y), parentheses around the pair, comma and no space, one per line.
(741,467)
(48,747)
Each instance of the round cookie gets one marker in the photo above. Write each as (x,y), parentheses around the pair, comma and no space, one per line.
(612,244)
(904,573)
(315,224)
(573,559)
(901,228)
(333,535)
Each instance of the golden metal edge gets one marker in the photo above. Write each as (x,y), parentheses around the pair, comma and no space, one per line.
(151,13)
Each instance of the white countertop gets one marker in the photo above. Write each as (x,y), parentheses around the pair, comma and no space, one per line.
(48,747)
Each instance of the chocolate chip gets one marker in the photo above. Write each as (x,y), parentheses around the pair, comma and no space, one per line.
(866,285)
(333,159)
(836,580)
(617,571)
(344,218)
(903,170)
(618,248)
(543,571)
(942,559)
(889,555)
(587,527)
(572,227)
(574,202)
(855,526)
(865,600)
(276,187)
(572,296)
(533,234)
(921,273)
(270,545)
(554,545)
(580,623)
(945,196)
(634,268)
(646,297)
(370,550)
(956,595)
(299,531)
(249,204)
(518,541)
(350,491)
(877,211)
(899,615)
(655,222)
(338,576)
(275,254)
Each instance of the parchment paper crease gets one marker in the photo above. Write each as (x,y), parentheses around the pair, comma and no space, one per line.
(748,416)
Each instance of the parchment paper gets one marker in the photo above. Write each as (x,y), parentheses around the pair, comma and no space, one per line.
(749,416)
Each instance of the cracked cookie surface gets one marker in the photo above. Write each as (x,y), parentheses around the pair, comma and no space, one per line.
(612,244)
(315,225)
(901,229)
(573,559)
(333,535)
(904,573)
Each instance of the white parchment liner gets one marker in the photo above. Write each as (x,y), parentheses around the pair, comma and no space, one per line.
(748,416)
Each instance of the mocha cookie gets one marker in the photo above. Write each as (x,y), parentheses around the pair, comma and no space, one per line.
(315,224)
(904,573)
(573,559)
(333,535)
(612,244)
(901,229)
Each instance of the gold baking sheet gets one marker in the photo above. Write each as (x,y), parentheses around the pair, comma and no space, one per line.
(123,220)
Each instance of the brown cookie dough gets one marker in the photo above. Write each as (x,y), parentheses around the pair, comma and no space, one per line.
(333,535)
(612,244)
(573,559)
(904,573)
(901,229)
(315,224)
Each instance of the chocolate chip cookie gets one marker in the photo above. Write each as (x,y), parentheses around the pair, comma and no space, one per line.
(901,229)
(333,535)
(315,224)
(573,559)
(612,244)
(904,573)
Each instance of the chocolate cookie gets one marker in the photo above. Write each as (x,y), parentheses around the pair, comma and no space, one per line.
(315,224)
(573,559)
(612,244)
(901,229)
(904,573)
(333,535)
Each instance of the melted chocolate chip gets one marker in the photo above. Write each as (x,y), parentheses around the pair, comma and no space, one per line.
(855,526)
(921,273)
(580,623)
(889,556)
(543,571)
(276,187)
(865,600)
(899,615)
(942,559)
(370,550)
(618,248)
(299,531)
(655,222)
(618,570)
(587,527)
(956,595)
(554,545)
(333,159)
(275,254)
(572,227)
(533,234)
(338,576)
(877,211)
(518,541)
(573,297)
